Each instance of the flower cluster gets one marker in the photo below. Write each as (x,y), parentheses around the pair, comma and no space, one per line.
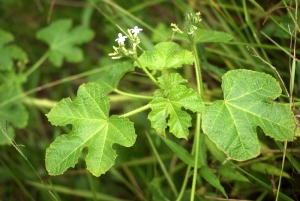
(134,40)
(193,20)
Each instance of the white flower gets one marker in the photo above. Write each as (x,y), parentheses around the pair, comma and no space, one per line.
(121,39)
(136,30)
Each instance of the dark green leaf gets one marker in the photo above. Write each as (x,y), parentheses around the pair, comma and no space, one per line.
(110,78)
(9,52)
(11,112)
(63,42)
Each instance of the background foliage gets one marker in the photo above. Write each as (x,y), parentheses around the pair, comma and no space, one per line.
(31,85)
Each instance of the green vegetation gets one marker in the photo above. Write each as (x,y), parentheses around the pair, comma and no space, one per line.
(149,100)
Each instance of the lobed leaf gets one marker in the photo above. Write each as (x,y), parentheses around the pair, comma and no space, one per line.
(63,42)
(166,55)
(92,128)
(169,104)
(231,124)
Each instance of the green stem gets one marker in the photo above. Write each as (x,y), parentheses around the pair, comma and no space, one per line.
(162,166)
(146,71)
(37,64)
(198,70)
(187,175)
(133,95)
(198,120)
(146,107)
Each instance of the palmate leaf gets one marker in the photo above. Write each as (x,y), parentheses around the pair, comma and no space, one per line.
(63,41)
(9,52)
(92,128)
(169,104)
(231,124)
(166,55)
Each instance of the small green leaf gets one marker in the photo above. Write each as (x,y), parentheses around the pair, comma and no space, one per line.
(92,128)
(9,52)
(63,41)
(12,112)
(268,169)
(229,173)
(180,152)
(211,178)
(166,55)
(231,124)
(110,78)
(170,104)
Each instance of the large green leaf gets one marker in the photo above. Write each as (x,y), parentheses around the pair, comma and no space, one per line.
(168,102)
(110,78)
(63,41)
(9,52)
(92,128)
(11,112)
(166,55)
(231,124)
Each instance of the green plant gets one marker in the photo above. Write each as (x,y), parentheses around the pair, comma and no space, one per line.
(176,105)
(230,124)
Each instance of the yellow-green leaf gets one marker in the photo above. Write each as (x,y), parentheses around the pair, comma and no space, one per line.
(92,128)
(231,124)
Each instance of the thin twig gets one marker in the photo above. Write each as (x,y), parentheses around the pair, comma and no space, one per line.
(50,11)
